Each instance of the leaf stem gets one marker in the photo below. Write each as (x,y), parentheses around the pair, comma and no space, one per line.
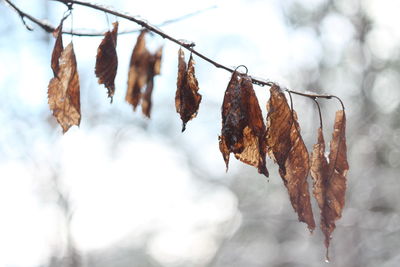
(319,113)
(316,96)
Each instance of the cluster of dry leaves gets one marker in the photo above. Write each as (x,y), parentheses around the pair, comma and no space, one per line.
(245,135)
(244,132)
(63,91)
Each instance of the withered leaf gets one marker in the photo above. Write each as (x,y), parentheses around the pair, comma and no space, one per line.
(153,69)
(330,178)
(187,98)
(138,69)
(107,60)
(154,66)
(146,98)
(142,69)
(64,92)
(157,61)
(286,147)
(243,128)
(58,48)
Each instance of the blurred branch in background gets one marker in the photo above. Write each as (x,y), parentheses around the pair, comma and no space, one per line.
(50,29)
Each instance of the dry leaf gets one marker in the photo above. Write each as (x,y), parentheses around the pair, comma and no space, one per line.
(286,147)
(142,69)
(58,48)
(138,69)
(107,60)
(63,91)
(330,178)
(319,170)
(153,69)
(146,98)
(157,61)
(187,98)
(243,128)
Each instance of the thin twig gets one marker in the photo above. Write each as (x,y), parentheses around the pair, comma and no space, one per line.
(319,113)
(23,15)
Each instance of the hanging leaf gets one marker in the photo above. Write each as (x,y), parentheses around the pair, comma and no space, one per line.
(157,61)
(319,170)
(58,48)
(107,60)
(153,69)
(286,147)
(142,69)
(330,178)
(64,92)
(187,98)
(138,70)
(146,98)
(243,128)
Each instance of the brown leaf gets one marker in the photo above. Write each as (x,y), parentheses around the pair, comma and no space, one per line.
(142,69)
(286,147)
(146,98)
(138,70)
(319,169)
(64,92)
(107,60)
(243,128)
(157,61)
(58,48)
(330,178)
(154,66)
(187,98)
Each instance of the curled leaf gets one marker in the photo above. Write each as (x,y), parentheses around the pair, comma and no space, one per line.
(243,128)
(138,67)
(64,92)
(142,69)
(330,178)
(107,60)
(187,98)
(58,48)
(286,147)
(154,65)
(157,61)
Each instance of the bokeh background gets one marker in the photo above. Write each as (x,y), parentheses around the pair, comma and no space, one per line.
(122,190)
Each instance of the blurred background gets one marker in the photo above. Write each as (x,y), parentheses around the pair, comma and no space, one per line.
(122,190)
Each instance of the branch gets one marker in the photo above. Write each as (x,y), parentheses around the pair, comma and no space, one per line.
(156,30)
(23,15)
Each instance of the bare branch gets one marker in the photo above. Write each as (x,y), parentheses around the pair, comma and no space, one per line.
(187,45)
(23,15)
